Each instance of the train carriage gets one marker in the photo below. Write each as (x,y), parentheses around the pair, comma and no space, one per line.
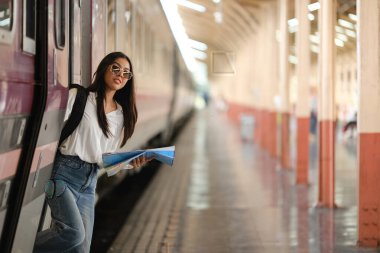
(44,46)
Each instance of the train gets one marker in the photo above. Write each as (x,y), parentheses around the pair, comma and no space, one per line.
(44,46)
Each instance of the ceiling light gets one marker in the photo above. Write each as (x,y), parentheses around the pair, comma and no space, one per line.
(342,37)
(314,48)
(216,1)
(339,42)
(346,24)
(293,29)
(293,59)
(310,16)
(198,45)
(353,17)
(314,6)
(293,22)
(179,33)
(350,33)
(314,38)
(339,29)
(191,5)
(218,17)
(199,54)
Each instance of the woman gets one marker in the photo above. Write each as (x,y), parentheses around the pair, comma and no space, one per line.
(108,122)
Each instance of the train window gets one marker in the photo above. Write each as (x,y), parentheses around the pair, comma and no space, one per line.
(60,23)
(30,19)
(29,31)
(6,16)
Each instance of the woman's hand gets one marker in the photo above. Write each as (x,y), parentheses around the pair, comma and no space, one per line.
(140,161)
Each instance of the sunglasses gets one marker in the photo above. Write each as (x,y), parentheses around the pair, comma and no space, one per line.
(117,71)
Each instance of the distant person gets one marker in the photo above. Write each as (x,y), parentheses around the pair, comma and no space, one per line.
(313,122)
(108,122)
(206,97)
(313,114)
(351,125)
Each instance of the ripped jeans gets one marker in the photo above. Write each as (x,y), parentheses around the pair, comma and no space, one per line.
(70,194)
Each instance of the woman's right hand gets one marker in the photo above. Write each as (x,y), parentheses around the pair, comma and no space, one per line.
(140,161)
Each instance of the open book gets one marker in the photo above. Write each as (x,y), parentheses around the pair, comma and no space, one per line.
(114,162)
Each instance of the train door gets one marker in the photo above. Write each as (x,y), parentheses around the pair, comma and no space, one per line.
(93,27)
(16,96)
(41,57)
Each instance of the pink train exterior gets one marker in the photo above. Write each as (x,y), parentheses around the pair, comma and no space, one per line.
(42,50)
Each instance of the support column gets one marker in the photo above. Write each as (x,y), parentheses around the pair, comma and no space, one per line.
(369,123)
(303,90)
(327,17)
(270,81)
(257,69)
(272,114)
(120,26)
(284,83)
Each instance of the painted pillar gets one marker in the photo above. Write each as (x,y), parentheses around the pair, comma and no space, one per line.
(259,89)
(255,86)
(273,21)
(368,122)
(284,83)
(303,89)
(326,112)
(266,81)
(120,26)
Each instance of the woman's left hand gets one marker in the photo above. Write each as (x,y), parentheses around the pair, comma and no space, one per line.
(140,161)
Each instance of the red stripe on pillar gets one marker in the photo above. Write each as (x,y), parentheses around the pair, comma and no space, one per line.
(235,111)
(261,126)
(302,166)
(273,135)
(257,126)
(326,196)
(369,188)
(266,129)
(285,145)
(265,125)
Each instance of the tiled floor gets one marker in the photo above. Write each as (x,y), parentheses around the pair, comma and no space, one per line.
(225,195)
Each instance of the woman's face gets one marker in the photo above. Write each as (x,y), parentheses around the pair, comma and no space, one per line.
(117,74)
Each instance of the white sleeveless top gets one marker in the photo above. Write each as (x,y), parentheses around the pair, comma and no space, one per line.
(88,141)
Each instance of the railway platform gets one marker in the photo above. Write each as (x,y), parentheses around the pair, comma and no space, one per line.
(225,195)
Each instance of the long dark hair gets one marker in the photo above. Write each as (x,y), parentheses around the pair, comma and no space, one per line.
(124,97)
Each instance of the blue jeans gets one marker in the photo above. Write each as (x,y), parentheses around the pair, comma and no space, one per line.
(70,194)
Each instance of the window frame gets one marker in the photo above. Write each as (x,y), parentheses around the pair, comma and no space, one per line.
(7,35)
(28,44)
(60,27)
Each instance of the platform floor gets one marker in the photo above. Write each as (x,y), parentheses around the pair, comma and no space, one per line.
(224,195)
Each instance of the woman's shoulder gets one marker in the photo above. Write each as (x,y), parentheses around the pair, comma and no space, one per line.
(92,96)
(73,92)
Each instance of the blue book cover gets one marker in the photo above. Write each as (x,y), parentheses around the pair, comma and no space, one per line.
(114,162)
